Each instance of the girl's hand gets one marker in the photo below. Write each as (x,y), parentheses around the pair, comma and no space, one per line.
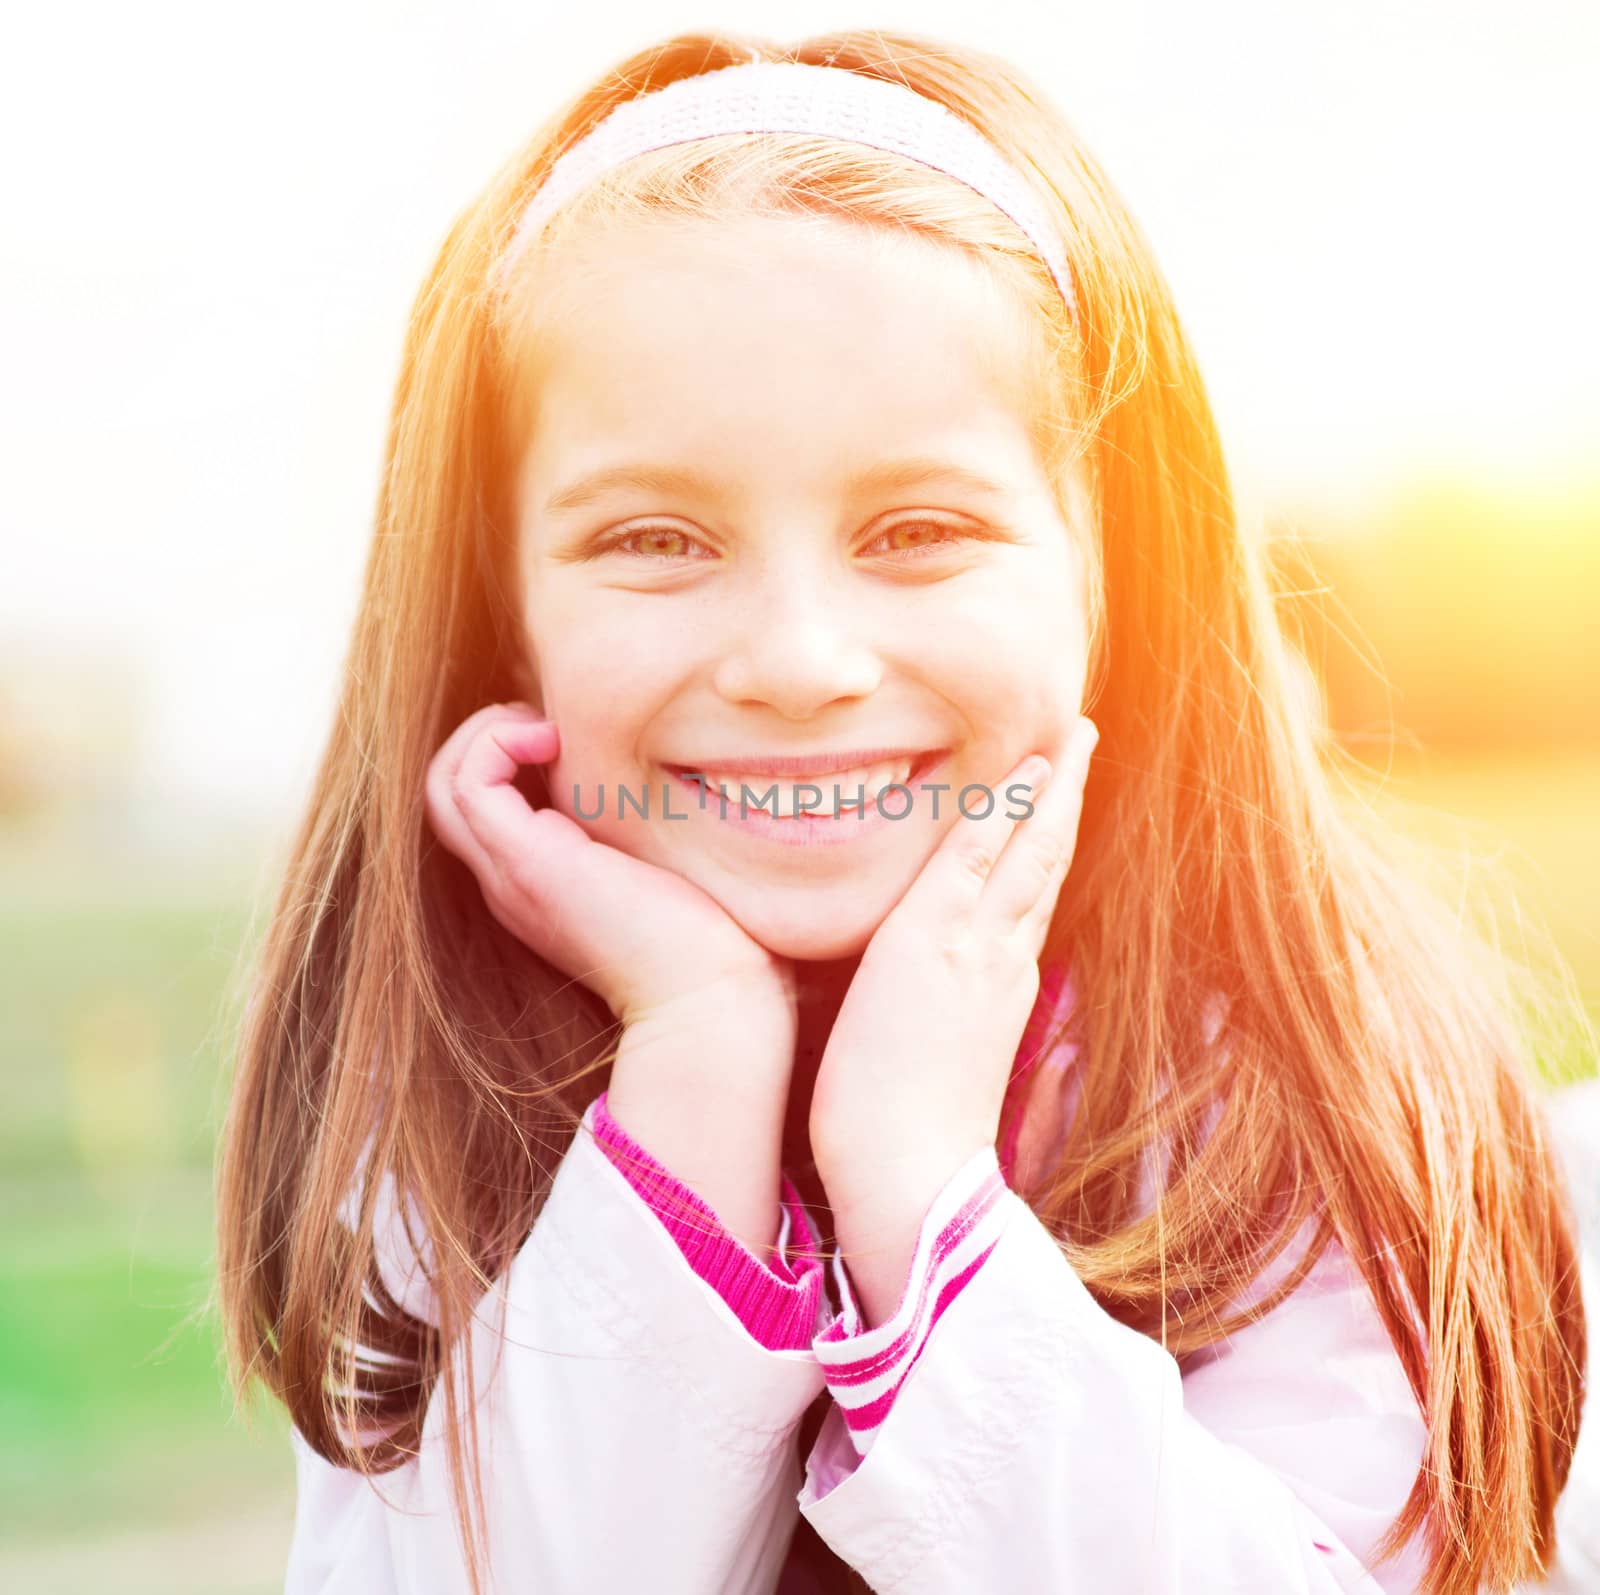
(642,937)
(701,1075)
(914,1074)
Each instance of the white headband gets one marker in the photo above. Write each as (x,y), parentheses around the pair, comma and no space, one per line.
(796,97)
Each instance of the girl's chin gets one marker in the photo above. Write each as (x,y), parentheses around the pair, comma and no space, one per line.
(805,931)
(818,944)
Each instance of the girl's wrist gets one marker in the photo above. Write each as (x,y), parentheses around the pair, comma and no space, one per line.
(697,1028)
(762,991)
(886,1185)
(703,1091)
(706,1060)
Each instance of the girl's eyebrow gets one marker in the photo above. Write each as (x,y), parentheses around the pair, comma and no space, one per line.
(885,476)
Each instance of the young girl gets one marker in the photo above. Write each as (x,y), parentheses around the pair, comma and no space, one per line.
(691,1131)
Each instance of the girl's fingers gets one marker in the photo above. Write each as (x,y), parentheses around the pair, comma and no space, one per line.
(1026,879)
(451,796)
(953,880)
(956,884)
(451,756)
(502,821)
(530,861)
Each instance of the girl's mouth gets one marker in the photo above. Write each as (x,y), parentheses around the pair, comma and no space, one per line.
(856,797)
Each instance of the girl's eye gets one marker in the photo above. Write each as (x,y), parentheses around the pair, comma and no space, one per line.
(916,537)
(656,543)
(664,544)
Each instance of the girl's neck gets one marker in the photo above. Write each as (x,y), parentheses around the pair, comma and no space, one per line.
(820,988)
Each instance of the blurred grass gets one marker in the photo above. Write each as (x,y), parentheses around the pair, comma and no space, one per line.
(1526,818)
(122,1464)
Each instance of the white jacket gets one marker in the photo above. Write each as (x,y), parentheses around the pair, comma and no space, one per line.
(635,1436)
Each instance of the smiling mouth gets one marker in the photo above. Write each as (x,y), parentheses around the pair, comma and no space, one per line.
(781,796)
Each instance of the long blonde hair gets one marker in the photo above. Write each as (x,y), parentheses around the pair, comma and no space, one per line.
(1378,1078)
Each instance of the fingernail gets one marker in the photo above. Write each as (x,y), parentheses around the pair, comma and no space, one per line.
(1035,772)
(1084,740)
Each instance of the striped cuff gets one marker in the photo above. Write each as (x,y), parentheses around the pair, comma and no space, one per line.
(776,1301)
(865,1369)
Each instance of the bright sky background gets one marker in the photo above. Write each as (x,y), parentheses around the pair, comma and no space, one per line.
(1377,218)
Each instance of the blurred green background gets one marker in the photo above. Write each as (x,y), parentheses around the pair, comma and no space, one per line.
(124,1464)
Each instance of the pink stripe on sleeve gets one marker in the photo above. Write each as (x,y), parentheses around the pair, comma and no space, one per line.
(775,1301)
(866,1369)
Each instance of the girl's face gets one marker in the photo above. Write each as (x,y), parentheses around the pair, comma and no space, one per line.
(780,513)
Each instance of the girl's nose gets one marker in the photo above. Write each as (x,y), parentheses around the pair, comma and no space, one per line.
(795,648)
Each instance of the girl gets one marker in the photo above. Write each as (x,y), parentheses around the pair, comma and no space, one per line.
(649,1168)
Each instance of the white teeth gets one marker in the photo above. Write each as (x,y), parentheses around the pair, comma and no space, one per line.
(788,792)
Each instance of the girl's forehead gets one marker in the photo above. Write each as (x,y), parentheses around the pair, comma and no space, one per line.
(758,243)
(672,326)
(798,266)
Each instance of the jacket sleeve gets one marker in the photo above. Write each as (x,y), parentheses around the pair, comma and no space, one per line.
(783,1305)
(866,1369)
(1038,1443)
(632,1433)
(777,1301)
